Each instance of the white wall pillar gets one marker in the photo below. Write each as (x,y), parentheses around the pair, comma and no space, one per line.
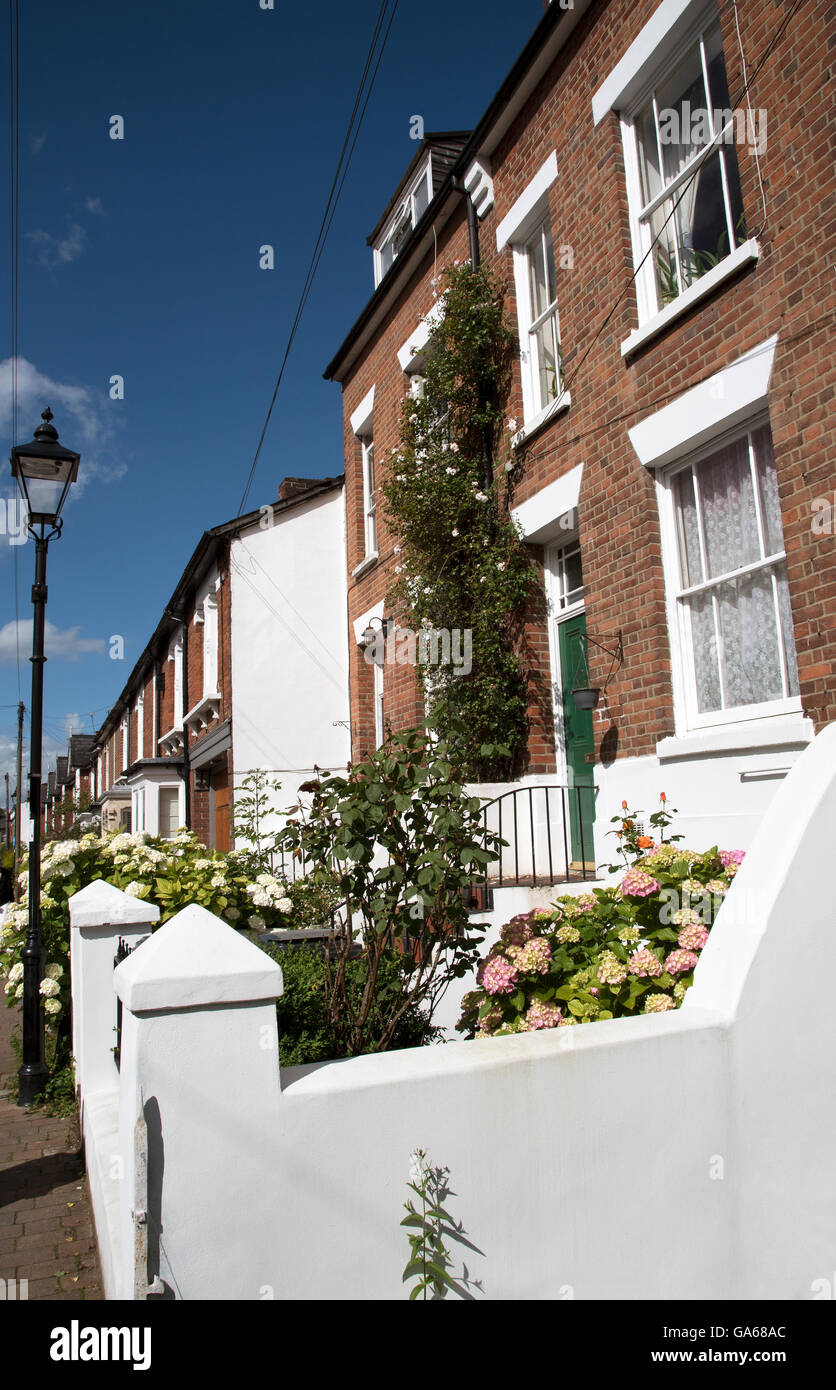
(99,915)
(200,1065)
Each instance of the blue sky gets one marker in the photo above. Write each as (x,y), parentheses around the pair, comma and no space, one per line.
(139,258)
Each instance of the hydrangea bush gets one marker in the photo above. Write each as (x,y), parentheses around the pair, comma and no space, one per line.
(631,947)
(169,873)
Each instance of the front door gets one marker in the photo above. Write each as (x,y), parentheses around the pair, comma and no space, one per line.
(578,737)
(569,655)
(219,832)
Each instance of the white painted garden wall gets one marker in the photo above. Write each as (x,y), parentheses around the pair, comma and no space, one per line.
(683,1155)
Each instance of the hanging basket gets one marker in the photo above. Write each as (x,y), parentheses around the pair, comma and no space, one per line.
(587,697)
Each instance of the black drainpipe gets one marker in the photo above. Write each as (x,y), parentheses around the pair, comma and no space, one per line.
(185,726)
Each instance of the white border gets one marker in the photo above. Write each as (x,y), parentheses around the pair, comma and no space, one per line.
(361,418)
(513,225)
(539,516)
(651,47)
(723,400)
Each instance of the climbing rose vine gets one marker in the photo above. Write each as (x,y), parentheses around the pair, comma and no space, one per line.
(460,563)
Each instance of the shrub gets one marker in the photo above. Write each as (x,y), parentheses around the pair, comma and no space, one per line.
(610,953)
(305,1034)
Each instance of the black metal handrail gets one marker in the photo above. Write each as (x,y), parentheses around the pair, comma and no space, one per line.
(123,950)
(552,869)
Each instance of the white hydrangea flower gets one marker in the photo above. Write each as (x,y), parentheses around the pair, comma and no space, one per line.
(52,1006)
(217,881)
(54,972)
(137,889)
(256,922)
(232,914)
(284,905)
(16,972)
(49,988)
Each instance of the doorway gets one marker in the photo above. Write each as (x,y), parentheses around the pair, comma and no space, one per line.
(574,733)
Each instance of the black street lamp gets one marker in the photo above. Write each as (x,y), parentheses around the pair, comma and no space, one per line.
(44,471)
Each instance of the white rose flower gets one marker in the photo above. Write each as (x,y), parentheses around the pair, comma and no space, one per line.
(454,448)
(19,992)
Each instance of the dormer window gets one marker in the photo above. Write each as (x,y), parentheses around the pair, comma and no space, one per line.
(405,219)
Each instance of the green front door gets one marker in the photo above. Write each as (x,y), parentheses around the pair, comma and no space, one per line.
(578,738)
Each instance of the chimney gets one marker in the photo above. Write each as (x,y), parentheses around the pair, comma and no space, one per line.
(294,487)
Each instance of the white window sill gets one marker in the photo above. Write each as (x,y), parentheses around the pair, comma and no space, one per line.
(554,408)
(744,254)
(173,740)
(365,564)
(202,714)
(784,731)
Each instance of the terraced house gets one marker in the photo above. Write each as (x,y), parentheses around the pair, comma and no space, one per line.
(245,670)
(654,184)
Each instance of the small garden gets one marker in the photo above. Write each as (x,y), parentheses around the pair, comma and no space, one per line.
(628,948)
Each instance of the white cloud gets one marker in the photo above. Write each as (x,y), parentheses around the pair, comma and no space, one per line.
(58,642)
(52,748)
(88,429)
(93,205)
(57,250)
(36,143)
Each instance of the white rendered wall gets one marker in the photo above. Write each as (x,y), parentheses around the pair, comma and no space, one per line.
(289,644)
(683,1155)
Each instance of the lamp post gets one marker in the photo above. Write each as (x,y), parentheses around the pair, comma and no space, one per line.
(44,471)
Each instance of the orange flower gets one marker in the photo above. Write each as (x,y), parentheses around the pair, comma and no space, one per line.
(662,796)
(644,842)
(624,805)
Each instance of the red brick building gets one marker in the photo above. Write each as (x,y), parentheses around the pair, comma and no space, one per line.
(655,185)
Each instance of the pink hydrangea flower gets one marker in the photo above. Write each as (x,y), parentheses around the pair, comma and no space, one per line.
(637,884)
(516,932)
(658,1004)
(586,902)
(644,964)
(499,976)
(679,961)
(693,936)
(541,1014)
(535,956)
(610,969)
(731,856)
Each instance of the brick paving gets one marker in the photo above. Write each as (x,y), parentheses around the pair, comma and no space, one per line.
(46,1222)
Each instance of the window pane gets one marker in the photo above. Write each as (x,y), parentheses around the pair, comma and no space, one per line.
(751,662)
(701,221)
(169,805)
(678,101)
(687,529)
(648,153)
(768,481)
(541,272)
(546,339)
(421,197)
(705,653)
(787,627)
(728,509)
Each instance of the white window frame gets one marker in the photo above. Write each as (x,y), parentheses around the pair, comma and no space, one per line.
(140,724)
(210,645)
(557,615)
(406,211)
(369,498)
(518,226)
(535,409)
(168,787)
(688,717)
(640,214)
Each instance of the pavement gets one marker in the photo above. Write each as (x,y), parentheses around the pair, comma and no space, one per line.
(46,1221)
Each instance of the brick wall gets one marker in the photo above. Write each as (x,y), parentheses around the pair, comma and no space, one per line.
(790,291)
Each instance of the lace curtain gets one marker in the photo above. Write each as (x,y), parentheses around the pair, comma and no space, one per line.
(738,643)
